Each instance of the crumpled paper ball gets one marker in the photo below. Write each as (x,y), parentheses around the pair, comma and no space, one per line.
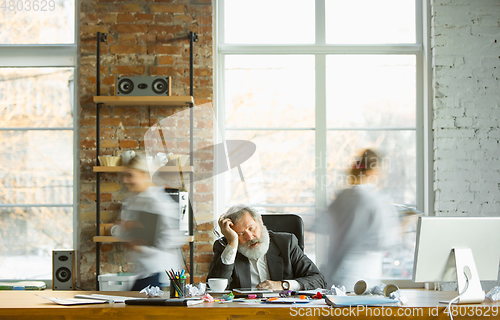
(398,295)
(208,298)
(193,291)
(378,290)
(152,292)
(338,291)
(494,294)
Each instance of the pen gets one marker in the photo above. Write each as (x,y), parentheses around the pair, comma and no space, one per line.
(248,296)
(296,293)
(175,284)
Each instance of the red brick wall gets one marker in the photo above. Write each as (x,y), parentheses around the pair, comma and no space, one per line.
(142,41)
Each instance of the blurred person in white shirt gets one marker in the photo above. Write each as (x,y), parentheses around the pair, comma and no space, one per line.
(361,225)
(150,222)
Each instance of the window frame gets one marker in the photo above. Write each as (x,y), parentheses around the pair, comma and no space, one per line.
(421,50)
(51,55)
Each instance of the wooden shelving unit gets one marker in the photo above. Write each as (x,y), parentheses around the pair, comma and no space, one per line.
(172,169)
(141,101)
(144,101)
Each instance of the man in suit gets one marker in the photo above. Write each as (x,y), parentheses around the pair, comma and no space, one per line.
(252,256)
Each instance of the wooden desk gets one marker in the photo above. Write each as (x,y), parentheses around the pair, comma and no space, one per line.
(21,305)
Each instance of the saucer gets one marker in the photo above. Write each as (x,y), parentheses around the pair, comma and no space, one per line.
(219,292)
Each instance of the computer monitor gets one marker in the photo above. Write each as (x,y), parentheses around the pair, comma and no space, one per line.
(463,249)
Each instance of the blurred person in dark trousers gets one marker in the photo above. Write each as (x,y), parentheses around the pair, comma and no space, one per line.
(361,224)
(151,224)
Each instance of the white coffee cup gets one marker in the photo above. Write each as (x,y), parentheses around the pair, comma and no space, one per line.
(127,156)
(161,159)
(217,284)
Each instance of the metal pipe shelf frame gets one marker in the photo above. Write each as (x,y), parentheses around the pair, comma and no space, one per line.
(102,37)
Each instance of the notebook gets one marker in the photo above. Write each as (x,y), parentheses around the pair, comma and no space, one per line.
(163,302)
(363,300)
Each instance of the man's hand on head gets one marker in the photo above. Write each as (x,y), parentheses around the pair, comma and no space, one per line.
(225,225)
(268,284)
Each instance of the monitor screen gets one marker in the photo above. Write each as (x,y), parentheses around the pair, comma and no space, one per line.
(437,236)
(462,249)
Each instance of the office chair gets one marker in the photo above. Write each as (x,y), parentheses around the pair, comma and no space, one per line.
(285,222)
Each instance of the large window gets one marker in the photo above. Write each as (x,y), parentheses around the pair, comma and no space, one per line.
(37,135)
(311,83)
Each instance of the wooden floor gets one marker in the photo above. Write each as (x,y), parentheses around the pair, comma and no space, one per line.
(422,304)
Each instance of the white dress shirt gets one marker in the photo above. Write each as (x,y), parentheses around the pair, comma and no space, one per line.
(259,270)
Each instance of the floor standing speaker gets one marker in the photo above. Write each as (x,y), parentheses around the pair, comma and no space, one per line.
(63,269)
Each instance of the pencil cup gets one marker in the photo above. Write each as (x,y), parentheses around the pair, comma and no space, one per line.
(177,287)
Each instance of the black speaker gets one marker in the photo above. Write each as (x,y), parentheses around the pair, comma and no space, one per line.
(63,269)
(143,86)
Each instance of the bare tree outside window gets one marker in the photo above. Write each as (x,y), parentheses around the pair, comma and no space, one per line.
(367,99)
(36,168)
(37,22)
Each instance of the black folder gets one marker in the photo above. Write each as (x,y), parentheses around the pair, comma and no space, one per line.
(144,233)
(157,302)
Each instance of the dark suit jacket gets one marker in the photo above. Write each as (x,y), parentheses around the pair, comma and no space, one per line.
(285,261)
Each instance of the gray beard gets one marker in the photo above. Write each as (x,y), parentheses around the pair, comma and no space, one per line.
(260,250)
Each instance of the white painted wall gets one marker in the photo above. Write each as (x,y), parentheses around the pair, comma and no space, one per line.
(466,58)
(466,52)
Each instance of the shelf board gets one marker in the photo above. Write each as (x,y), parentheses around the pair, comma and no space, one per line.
(144,100)
(108,239)
(117,239)
(161,169)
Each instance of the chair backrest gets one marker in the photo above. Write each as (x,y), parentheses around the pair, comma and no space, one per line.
(285,222)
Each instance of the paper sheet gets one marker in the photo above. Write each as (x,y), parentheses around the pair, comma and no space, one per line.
(194,302)
(72,302)
(103,297)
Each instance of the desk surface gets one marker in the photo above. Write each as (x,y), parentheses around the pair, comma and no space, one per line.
(422,304)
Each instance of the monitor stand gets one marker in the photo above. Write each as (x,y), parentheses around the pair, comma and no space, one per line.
(469,286)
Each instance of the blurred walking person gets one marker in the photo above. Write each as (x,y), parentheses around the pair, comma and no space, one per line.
(361,226)
(150,222)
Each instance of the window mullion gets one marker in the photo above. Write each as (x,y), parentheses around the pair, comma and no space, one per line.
(321,133)
(320,174)
(320,22)
(38,56)
(35,205)
(317,49)
(220,21)
(321,152)
(220,111)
